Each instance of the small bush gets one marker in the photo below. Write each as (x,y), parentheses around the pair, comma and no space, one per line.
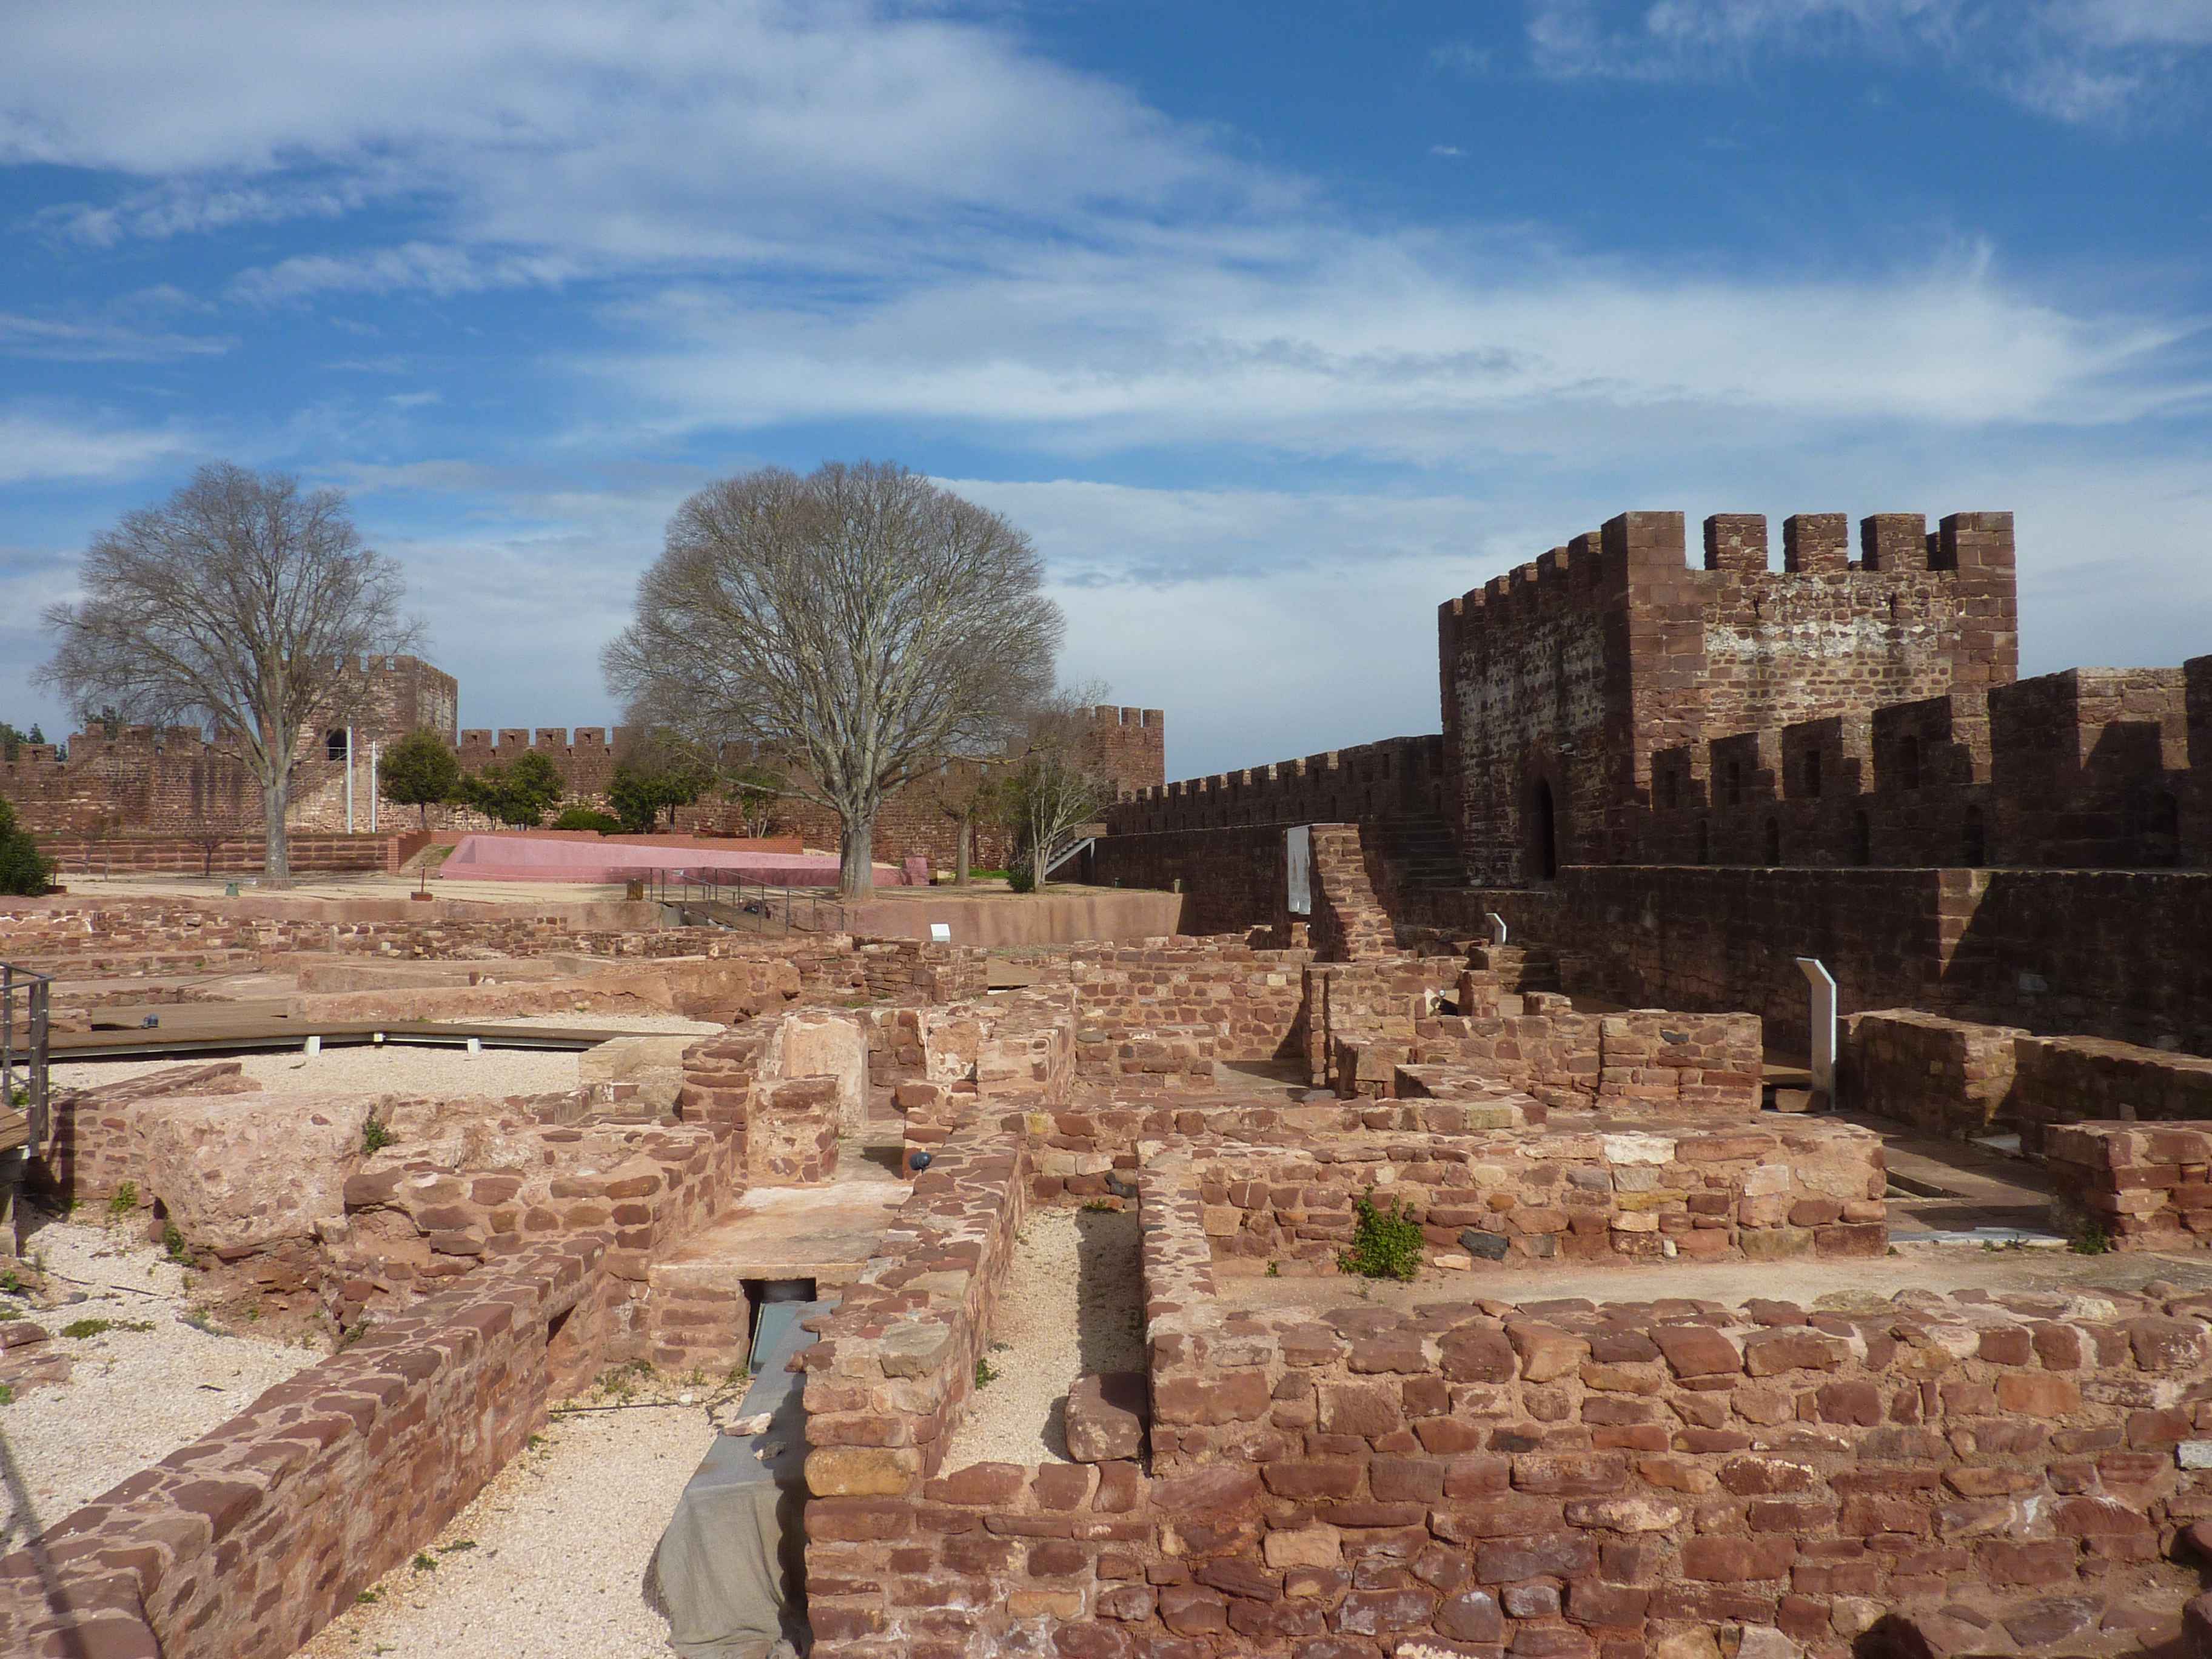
(172,1241)
(1021,879)
(1384,1245)
(2090,1239)
(586,817)
(985,1373)
(124,1200)
(375,1136)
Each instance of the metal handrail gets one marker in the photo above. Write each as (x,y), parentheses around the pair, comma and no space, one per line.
(710,898)
(23,999)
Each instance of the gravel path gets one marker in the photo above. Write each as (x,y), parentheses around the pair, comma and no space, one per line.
(1073,1304)
(134,1396)
(558,1546)
(396,1068)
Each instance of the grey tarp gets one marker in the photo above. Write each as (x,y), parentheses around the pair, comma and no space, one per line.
(732,1566)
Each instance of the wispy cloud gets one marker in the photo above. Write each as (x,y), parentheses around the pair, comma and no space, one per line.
(2078,61)
(42,445)
(56,340)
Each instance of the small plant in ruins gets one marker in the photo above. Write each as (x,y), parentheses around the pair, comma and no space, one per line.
(985,1373)
(124,1200)
(375,1136)
(1385,1244)
(2090,1239)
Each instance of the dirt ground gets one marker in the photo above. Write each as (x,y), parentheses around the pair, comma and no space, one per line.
(1073,1305)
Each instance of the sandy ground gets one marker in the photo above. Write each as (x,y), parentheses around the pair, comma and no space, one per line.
(551,1557)
(134,1396)
(1073,1304)
(398,1068)
(1935,1267)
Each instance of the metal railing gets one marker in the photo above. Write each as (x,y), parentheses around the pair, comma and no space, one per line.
(710,898)
(23,996)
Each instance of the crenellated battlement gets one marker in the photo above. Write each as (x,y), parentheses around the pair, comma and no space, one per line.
(1569,683)
(1398,778)
(2089,767)
(1636,554)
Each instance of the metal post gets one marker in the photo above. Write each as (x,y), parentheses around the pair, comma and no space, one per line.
(375,756)
(1823,1044)
(1497,924)
(349,780)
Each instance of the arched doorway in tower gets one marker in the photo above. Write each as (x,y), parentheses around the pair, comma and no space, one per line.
(1544,833)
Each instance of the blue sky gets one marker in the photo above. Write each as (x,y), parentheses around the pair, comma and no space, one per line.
(1274,325)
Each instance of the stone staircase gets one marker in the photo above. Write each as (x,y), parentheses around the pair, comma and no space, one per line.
(1418,853)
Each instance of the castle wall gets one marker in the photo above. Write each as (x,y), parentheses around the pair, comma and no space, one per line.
(2087,769)
(171,781)
(1568,676)
(141,782)
(1399,777)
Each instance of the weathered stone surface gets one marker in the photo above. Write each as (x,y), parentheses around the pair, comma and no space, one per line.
(239,1172)
(1106,1416)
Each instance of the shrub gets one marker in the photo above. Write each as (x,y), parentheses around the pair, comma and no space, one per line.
(2090,1239)
(1022,879)
(375,1136)
(24,870)
(1384,1244)
(586,817)
(124,1200)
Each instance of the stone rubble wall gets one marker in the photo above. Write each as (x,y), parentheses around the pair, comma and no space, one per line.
(896,1359)
(1944,1077)
(2108,953)
(2143,1188)
(1562,1478)
(1523,1196)
(1956,1077)
(1250,998)
(1379,1000)
(1349,923)
(487,1189)
(1645,1060)
(246,1542)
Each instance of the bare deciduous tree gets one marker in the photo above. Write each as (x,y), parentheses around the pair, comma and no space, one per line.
(969,792)
(1056,787)
(860,622)
(242,606)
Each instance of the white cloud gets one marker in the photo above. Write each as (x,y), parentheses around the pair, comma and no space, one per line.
(41,446)
(1394,346)
(702,128)
(102,341)
(2079,61)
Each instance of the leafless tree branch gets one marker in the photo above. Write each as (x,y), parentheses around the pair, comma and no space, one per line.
(240,605)
(859,625)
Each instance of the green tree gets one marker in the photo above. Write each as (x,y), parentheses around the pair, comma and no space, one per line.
(519,795)
(652,779)
(420,771)
(24,870)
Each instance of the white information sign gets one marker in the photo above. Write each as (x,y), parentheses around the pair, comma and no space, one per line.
(1297,847)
